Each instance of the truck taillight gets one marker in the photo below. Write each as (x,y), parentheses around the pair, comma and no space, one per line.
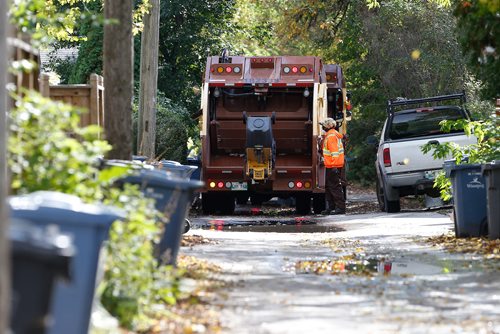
(387,157)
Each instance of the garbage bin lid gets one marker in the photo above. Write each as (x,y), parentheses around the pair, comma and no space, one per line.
(162,179)
(52,205)
(47,245)
(455,168)
(491,166)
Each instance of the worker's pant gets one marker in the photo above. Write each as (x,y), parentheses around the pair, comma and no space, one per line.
(333,189)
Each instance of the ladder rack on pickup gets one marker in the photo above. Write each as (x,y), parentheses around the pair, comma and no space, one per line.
(391,104)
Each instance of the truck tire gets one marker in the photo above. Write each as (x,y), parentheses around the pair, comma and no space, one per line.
(207,204)
(242,198)
(383,203)
(227,204)
(319,203)
(257,199)
(303,204)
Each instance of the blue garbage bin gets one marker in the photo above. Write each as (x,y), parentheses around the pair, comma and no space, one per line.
(491,173)
(176,168)
(40,257)
(172,197)
(197,173)
(88,224)
(469,200)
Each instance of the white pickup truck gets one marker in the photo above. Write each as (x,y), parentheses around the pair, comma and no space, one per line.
(402,168)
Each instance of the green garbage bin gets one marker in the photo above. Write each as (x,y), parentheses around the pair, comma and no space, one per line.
(491,173)
(88,224)
(469,200)
(39,258)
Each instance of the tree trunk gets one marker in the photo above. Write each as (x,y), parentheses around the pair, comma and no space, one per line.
(4,249)
(118,71)
(146,133)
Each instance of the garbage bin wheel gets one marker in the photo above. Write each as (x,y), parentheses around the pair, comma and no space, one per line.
(187,226)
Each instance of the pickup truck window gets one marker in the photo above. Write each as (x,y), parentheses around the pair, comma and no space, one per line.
(421,122)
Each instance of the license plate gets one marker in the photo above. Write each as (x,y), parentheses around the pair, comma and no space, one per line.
(431,174)
(239,186)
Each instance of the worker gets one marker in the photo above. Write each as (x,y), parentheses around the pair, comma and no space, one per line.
(333,155)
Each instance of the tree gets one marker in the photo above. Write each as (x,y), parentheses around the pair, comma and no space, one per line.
(118,77)
(189,31)
(4,250)
(148,82)
(479,35)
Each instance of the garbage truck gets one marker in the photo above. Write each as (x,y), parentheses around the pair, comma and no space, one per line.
(260,131)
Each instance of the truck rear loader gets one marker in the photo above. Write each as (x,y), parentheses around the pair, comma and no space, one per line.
(260,129)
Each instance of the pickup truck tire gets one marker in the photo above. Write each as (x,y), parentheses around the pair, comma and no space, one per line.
(383,203)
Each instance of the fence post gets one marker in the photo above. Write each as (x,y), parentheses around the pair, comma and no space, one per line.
(94,100)
(44,84)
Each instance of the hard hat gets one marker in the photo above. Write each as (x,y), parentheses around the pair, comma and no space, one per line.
(328,123)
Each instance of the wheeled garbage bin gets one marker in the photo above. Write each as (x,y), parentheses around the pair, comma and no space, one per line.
(39,258)
(172,197)
(176,168)
(469,200)
(88,224)
(491,173)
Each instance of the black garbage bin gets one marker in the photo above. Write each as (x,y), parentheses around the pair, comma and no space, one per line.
(88,224)
(491,172)
(469,200)
(172,197)
(39,257)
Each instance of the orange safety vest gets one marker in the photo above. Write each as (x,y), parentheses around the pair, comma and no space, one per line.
(333,149)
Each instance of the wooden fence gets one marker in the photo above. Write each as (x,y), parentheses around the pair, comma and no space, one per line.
(89,96)
(22,56)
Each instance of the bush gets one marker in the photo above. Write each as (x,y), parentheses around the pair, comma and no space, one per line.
(172,127)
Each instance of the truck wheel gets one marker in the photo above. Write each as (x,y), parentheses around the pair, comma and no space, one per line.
(227,205)
(303,204)
(207,204)
(256,200)
(319,203)
(384,204)
(242,198)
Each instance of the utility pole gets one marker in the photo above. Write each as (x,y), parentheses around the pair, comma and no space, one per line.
(146,134)
(118,71)
(4,247)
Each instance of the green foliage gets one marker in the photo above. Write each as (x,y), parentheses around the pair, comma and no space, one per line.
(49,20)
(479,34)
(189,31)
(47,150)
(486,149)
(42,154)
(173,129)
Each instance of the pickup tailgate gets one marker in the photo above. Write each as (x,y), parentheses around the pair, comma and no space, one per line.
(407,156)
